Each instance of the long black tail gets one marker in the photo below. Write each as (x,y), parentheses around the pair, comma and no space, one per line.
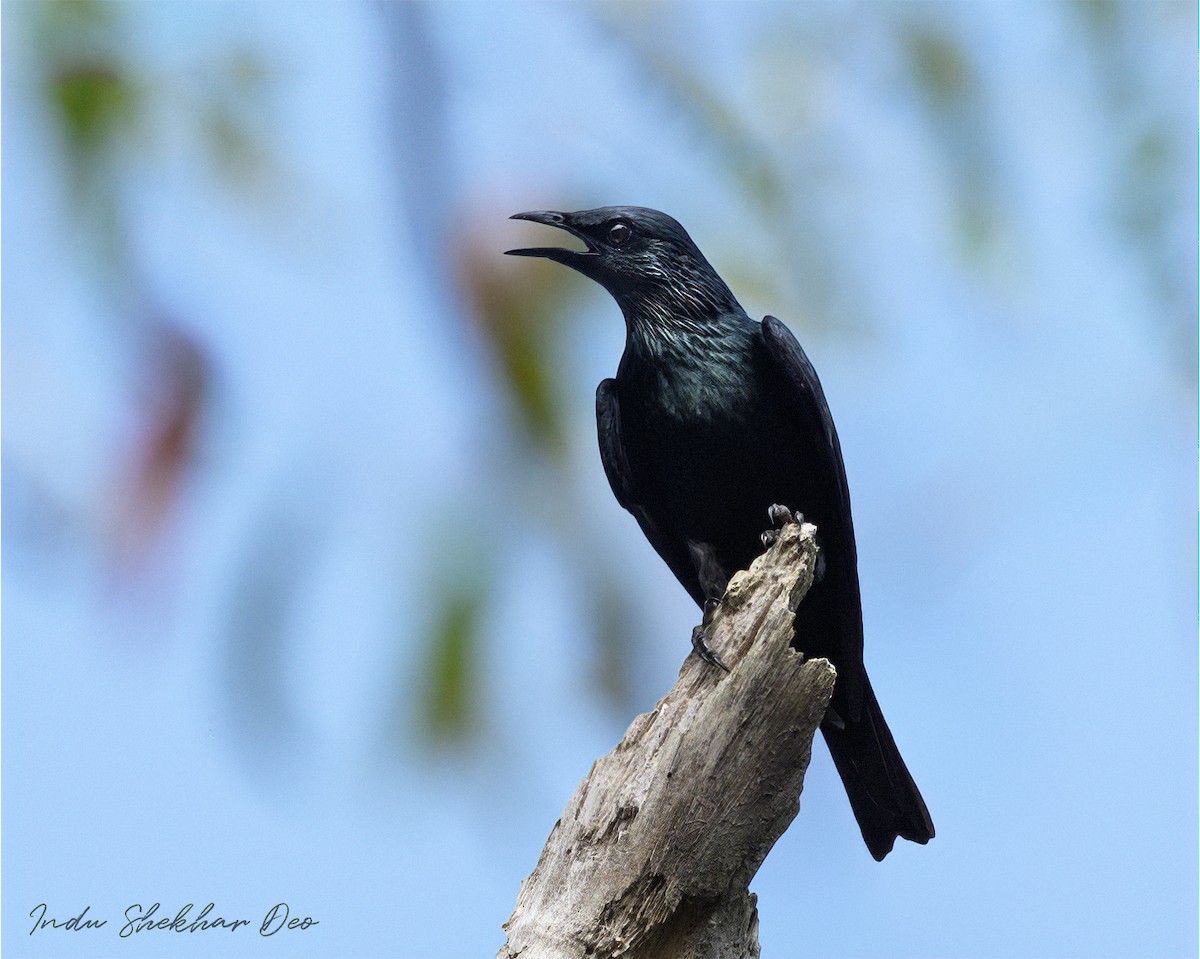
(885,800)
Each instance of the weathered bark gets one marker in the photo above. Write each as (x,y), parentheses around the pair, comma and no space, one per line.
(654,853)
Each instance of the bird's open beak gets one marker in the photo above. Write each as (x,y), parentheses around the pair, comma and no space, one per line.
(560,220)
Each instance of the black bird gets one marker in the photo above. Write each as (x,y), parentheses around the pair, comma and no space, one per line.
(711,420)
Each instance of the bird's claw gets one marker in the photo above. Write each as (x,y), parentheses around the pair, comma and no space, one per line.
(704,651)
(780,516)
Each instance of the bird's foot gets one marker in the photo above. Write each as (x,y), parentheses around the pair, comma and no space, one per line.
(780,516)
(703,650)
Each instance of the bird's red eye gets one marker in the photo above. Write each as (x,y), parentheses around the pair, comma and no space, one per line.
(618,233)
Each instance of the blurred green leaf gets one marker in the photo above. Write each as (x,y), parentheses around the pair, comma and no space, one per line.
(1100,15)
(947,84)
(95,104)
(235,147)
(93,98)
(1153,178)
(519,306)
(978,222)
(450,691)
(942,71)
(527,362)
(228,117)
(1143,203)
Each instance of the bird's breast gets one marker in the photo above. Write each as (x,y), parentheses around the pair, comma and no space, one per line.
(708,447)
(699,394)
(694,430)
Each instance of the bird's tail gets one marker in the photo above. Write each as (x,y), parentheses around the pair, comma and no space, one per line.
(885,800)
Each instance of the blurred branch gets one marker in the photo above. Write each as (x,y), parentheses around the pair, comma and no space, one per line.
(765,182)
(420,139)
(654,854)
(948,85)
(1152,181)
(117,117)
(114,113)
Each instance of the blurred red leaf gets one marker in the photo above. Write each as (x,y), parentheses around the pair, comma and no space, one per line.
(166,435)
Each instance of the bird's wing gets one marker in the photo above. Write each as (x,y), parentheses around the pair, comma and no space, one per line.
(797,384)
(789,362)
(612,451)
(885,800)
(673,550)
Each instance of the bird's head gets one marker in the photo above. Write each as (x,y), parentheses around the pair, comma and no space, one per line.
(641,256)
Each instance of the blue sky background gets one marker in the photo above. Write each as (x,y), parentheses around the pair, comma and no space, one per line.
(313,588)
